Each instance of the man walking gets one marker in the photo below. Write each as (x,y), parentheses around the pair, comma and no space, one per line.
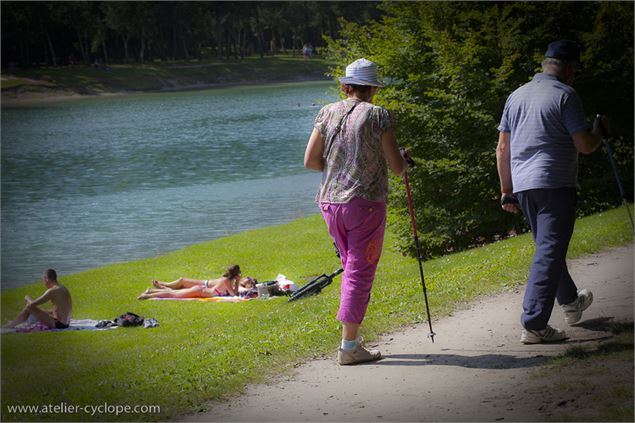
(542,129)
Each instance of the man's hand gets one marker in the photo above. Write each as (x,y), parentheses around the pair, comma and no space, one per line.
(509,203)
(601,126)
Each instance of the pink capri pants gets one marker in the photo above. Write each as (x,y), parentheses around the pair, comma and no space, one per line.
(357,227)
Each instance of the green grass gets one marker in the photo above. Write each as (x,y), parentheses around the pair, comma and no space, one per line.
(622,341)
(599,379)
(204,351)
(153,76)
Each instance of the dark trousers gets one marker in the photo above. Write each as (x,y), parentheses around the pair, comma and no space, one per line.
(551,216)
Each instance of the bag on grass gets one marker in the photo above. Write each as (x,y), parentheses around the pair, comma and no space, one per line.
(129,319)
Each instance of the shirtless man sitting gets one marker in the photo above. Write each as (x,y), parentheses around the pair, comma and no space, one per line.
(59,317)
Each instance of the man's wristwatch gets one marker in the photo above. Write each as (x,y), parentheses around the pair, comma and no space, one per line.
(509,199)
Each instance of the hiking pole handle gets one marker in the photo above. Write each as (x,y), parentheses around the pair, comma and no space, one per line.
(406,156)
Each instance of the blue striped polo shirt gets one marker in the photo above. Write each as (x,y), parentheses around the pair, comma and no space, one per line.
(540,117)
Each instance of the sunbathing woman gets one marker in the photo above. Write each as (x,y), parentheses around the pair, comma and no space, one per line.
(229,284)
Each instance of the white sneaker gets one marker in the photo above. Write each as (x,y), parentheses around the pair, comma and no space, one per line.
(573,311)
(548,334)
(359,355)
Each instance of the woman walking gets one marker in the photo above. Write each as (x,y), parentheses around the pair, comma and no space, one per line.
(353,143)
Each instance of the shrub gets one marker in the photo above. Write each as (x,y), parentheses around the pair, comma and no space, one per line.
(450,67)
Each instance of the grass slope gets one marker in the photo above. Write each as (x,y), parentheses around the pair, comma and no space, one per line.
(592,385)
(155,76)
(203,351)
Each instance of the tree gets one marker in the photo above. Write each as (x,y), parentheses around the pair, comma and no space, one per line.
(167,30)
(119,18)
(451,66)
(80,16)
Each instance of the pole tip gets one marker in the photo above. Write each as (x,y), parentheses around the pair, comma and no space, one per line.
(431,336)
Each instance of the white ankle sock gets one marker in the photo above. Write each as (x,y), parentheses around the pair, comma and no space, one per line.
(349,345)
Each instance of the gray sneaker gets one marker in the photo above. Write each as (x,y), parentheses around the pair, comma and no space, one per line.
(358,355)
(573,311)
(548,334)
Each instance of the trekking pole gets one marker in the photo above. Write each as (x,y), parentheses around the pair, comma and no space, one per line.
(418,247)
(605,139)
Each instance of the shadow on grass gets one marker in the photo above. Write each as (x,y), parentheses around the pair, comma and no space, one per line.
(620,340)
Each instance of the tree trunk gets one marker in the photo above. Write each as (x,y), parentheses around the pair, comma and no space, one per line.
(186,53)
(243,43)
(261,38)
(294,40)
(103,46)
(125,47)
(219,36)
(174,45)
(51,49)
(82,48)
(330,27)
(226,43)
(27,55)
(235,40)
(142,49)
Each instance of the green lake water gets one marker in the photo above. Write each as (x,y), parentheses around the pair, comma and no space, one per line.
(96,181)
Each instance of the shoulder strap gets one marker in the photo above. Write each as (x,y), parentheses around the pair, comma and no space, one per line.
(338,128)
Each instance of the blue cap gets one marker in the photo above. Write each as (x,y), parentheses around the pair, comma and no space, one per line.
(564,50)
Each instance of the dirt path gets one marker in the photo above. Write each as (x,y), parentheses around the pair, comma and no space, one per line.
(477,370)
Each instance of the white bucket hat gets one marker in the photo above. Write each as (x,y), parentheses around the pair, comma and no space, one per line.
(361,72)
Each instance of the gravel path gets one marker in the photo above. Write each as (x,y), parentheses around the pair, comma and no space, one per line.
(477,370)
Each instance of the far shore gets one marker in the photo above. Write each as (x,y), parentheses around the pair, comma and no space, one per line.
(50,84)
(28,98)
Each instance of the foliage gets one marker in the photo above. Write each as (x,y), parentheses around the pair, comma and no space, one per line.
(450,67)
(203,351)
(54,33)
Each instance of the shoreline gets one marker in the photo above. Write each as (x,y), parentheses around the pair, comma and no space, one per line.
(36,283)
(31,98)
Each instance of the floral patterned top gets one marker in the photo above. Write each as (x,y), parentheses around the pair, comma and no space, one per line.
(354,163)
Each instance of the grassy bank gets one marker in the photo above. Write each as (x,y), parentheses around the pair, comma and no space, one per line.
(597,384)
(157,76)
(203,351)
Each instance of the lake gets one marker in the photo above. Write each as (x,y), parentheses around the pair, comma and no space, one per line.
(96,181)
